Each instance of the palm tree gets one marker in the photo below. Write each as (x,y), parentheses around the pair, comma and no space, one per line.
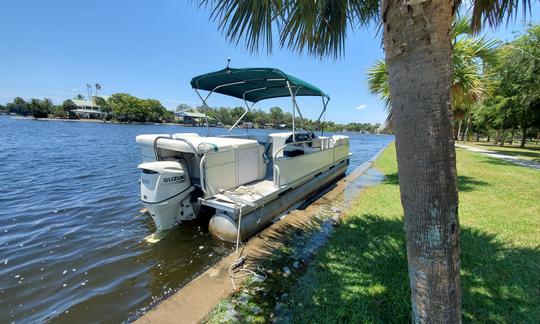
(418,54)
(470,83)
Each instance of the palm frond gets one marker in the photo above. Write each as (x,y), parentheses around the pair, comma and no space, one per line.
(493,12)
(462,26)
(248,20)
(378,84)
(318,27)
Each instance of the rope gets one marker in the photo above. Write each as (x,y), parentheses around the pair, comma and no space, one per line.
(239,261)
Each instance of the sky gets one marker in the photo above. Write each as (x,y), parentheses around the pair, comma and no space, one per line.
(152,49)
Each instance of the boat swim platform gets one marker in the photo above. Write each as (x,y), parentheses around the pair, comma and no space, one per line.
(192,303)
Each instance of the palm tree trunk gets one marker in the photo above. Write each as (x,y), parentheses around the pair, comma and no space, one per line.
(459,130)
(488,136)
(523,137)
(496,137)
(512,136)
(466,132)
(418,56)
(503,137)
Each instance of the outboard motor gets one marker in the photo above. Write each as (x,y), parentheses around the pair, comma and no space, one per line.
(165,192)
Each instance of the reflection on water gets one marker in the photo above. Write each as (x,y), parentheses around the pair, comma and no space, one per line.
(72,246)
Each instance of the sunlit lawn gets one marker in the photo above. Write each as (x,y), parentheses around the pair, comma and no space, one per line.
(361,274)
(530,152)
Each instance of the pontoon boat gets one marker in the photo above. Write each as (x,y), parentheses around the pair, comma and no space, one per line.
(245,180)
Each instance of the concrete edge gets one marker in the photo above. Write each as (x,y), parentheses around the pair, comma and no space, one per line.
(191,303)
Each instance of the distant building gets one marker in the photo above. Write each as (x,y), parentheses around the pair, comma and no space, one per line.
(88,109)
(189,117)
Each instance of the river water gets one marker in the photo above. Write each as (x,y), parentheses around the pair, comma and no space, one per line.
(72,232)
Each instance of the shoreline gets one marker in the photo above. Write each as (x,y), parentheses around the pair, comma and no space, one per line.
(97,121)
(194,301)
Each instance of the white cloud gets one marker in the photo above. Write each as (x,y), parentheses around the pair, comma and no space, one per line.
(361,107)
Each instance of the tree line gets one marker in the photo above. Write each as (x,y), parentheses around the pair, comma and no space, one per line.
(123,107)
(511,107)
(276,117)
(120,107)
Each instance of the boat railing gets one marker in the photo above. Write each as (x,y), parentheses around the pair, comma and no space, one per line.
(201,173)
(327,144)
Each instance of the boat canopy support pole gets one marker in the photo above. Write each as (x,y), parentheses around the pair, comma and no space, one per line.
(325,104)
(248,107)
(295,107)
(204,109)
(205,105)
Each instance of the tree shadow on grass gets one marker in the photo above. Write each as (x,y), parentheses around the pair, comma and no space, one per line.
(361,276)
(511,163)
(534,155)
(465,183)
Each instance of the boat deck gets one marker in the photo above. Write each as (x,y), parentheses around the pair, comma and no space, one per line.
(246,197)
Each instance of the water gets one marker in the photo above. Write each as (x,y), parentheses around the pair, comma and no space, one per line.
(72,232)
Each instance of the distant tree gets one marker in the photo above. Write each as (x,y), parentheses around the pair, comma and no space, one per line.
(59,112)
(103,104)
(68,106)
(126,107)
(276,115)
(39,108)
(183,107)
(19,106)
(19,101)
(48,104)
(519,71)
(79,97)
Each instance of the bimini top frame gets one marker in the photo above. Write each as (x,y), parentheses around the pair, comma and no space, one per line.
(256,84)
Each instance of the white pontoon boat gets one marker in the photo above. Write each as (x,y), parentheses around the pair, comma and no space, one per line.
(246,181)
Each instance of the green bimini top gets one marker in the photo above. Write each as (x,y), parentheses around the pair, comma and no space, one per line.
(254,84)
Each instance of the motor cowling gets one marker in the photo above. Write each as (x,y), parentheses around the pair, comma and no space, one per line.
(165,192)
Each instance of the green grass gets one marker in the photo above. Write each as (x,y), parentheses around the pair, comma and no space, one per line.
(360,275)
(530,152)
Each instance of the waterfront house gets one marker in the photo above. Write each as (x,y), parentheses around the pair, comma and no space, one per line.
(189,117)
(88,109)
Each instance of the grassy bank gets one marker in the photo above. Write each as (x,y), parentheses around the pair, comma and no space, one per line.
(360,275)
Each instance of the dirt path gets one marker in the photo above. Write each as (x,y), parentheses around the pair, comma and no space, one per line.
(508,158)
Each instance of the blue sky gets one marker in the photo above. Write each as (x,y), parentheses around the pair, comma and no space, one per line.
(152,49)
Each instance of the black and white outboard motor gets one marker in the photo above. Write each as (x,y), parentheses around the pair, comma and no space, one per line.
(165,192)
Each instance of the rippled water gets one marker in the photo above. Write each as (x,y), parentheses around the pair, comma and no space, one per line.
(72,234)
